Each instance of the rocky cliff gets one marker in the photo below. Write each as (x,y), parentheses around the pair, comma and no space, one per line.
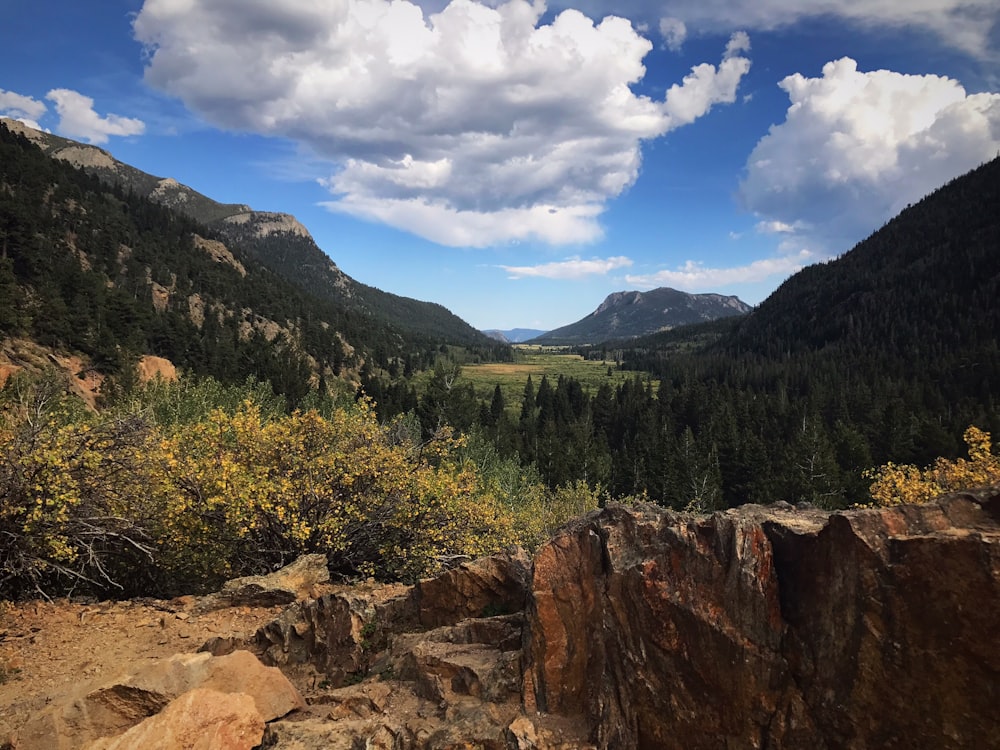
(636,627)
(772,628)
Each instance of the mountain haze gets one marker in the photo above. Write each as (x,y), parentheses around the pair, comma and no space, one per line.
(629,314)
(514,335)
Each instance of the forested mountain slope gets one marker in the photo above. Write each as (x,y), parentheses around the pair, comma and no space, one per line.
(277,240)
(885,354)
(92,267)
(922,288)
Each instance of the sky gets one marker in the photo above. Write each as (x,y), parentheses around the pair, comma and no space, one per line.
(515,161)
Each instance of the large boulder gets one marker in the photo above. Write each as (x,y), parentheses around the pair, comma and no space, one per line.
(110,709)
(772,627)
(201,719)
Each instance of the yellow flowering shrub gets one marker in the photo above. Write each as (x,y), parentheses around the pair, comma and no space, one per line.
(529,511)
(68,482)
(894,484)
(541,511)
(243,493)
(137,502)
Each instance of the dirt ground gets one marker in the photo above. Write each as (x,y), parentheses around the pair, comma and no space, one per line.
(50,649)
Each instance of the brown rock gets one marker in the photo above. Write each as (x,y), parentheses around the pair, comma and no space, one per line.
(340,633)
(150,367)
(887,611)
(200,719)
(443,671)
(336,633)
(294,582)
(114,707)
(771,627)
(496,585)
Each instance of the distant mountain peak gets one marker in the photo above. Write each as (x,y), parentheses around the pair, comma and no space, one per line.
(618,299)
(628,314)
(513,335)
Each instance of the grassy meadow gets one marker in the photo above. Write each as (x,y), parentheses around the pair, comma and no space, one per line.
(539,361)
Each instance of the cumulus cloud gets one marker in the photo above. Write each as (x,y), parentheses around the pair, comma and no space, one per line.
(856,147)
(707,85)
(476,117)
(694,276)
(22,108)
(674,32)
(571,268)
(77,118)
(967,25)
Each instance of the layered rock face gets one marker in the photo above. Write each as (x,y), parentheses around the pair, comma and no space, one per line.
(772,628)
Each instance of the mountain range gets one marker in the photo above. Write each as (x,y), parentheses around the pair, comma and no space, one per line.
(625,315)
(887,353)
(101,259)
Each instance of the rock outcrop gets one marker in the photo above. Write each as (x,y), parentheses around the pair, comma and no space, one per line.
(301,580)
(634,627)
(643,628)
(769,628)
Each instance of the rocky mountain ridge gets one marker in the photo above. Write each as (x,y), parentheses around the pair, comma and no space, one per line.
(634,627)
(630,314)
(277,240)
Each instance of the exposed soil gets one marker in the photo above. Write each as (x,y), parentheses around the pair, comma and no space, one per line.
(48,649)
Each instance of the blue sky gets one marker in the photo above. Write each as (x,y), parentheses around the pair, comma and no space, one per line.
(516,161)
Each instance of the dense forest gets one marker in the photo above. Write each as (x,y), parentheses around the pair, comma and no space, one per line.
(885,354)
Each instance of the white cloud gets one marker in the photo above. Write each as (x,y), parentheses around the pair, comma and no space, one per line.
(77,118)
(856,147)
(476,116)
(738,44)
(967,25)
(22,108)
(571,268)
(694,276)
(674,32)
(440,222)
(707,85)
(774,227)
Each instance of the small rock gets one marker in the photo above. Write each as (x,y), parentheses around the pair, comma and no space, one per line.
(298,581)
